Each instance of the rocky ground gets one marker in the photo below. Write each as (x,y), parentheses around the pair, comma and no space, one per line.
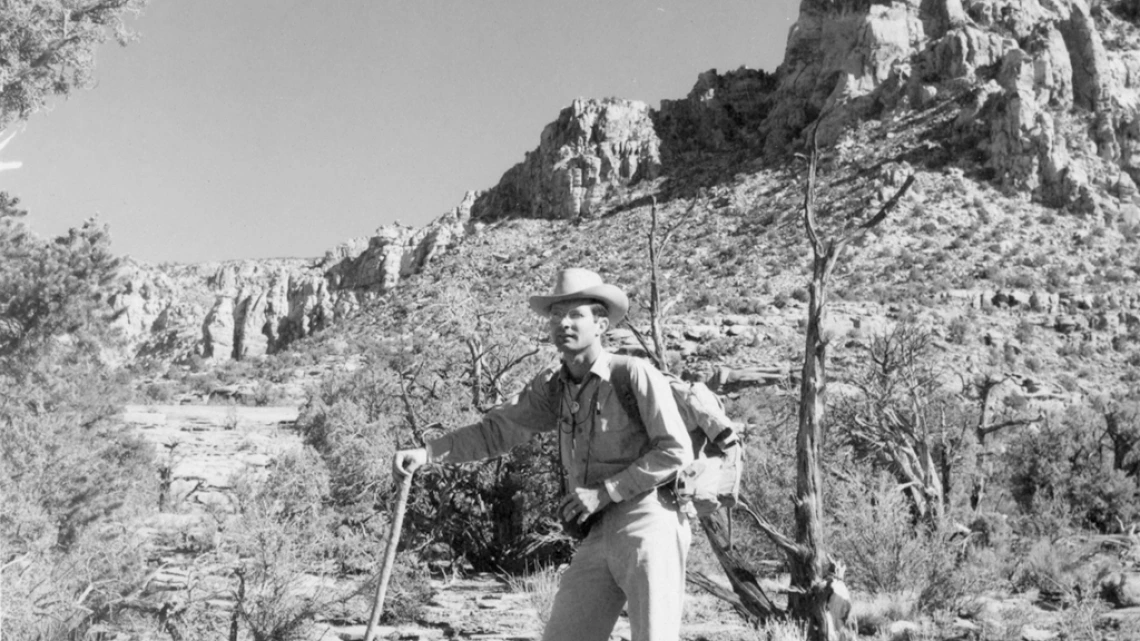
(203,449)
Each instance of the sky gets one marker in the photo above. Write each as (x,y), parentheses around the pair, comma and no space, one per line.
(280,128)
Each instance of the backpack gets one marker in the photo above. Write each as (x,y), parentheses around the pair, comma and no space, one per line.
(712,480)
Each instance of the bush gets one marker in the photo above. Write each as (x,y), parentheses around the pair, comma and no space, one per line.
(496,514)
(959,330)
(874,532)
(74,484)
(291,543)
(1065,462)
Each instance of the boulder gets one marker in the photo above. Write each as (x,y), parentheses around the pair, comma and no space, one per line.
(1069,323)
(904,631)
(701,332)
(1121,588)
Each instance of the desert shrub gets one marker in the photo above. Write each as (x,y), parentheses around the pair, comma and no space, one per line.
(281,537)
(769,476)
(1056,279)
(720,347)
(1022,280)
(496,515)
(958,330)
(1066,462)
(292,542)
(355,449)
(159,392)
(53,594)
(1064,569)
(874,533)
(266,393)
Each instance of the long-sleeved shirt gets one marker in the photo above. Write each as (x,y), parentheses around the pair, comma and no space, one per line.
(601,445)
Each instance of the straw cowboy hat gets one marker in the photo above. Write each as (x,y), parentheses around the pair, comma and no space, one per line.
(575,283)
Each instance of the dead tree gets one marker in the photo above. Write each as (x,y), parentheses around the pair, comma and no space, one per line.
(654,345)
(815,579)
(807,558)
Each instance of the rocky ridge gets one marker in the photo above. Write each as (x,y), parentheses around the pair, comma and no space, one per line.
(248,308)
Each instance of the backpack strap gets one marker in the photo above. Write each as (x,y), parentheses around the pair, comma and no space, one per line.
(554,397)
(620,372)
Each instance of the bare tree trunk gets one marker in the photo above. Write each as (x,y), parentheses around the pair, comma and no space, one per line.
(807,568)
(743,579)
(475,347)
(658,354)
(808,600)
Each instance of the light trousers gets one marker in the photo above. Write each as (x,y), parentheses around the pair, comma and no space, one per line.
(635,554)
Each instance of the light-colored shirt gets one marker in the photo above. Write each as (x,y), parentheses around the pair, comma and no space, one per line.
(601,445)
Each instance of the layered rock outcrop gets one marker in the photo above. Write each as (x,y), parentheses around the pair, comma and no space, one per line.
(242,309)
(592,148)
(1029,82)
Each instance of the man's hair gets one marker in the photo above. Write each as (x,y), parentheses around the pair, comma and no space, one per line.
(599,309)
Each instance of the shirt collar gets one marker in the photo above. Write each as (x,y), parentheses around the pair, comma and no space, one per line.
(599,368)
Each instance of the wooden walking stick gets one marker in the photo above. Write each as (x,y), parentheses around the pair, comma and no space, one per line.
(389,556)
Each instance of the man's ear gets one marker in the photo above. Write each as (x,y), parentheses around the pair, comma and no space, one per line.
(604,322)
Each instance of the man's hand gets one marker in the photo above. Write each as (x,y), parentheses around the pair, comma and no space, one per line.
(581,502)
(407,461)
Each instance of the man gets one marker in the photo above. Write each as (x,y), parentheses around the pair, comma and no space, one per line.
(617,469)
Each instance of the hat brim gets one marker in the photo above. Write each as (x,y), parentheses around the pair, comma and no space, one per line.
(615,300)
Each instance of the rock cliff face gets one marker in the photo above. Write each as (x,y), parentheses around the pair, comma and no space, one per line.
(593,147)
(1031,82)
(242,309)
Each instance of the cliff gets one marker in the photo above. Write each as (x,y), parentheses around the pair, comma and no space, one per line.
(248,308)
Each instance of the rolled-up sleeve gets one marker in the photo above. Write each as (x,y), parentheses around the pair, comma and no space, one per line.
(507,425)
(670,448)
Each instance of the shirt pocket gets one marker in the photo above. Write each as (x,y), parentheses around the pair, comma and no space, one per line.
(618,441)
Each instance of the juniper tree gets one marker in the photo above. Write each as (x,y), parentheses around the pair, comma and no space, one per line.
(47,48)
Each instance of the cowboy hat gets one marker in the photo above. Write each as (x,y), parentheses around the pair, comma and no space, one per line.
(575,283)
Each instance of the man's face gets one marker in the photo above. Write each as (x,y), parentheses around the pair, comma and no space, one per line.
(573,326)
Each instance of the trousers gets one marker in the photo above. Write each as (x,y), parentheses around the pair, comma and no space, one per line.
(633,557)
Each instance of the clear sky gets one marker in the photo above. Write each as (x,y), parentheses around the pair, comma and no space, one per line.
(263,128)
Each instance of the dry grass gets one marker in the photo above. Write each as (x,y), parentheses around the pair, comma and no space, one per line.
(540,585)
(782,631)
(876,612)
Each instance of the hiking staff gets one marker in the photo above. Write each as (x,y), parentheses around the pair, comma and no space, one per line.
(390,551)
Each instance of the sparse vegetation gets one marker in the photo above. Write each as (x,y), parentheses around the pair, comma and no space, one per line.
(969,448)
